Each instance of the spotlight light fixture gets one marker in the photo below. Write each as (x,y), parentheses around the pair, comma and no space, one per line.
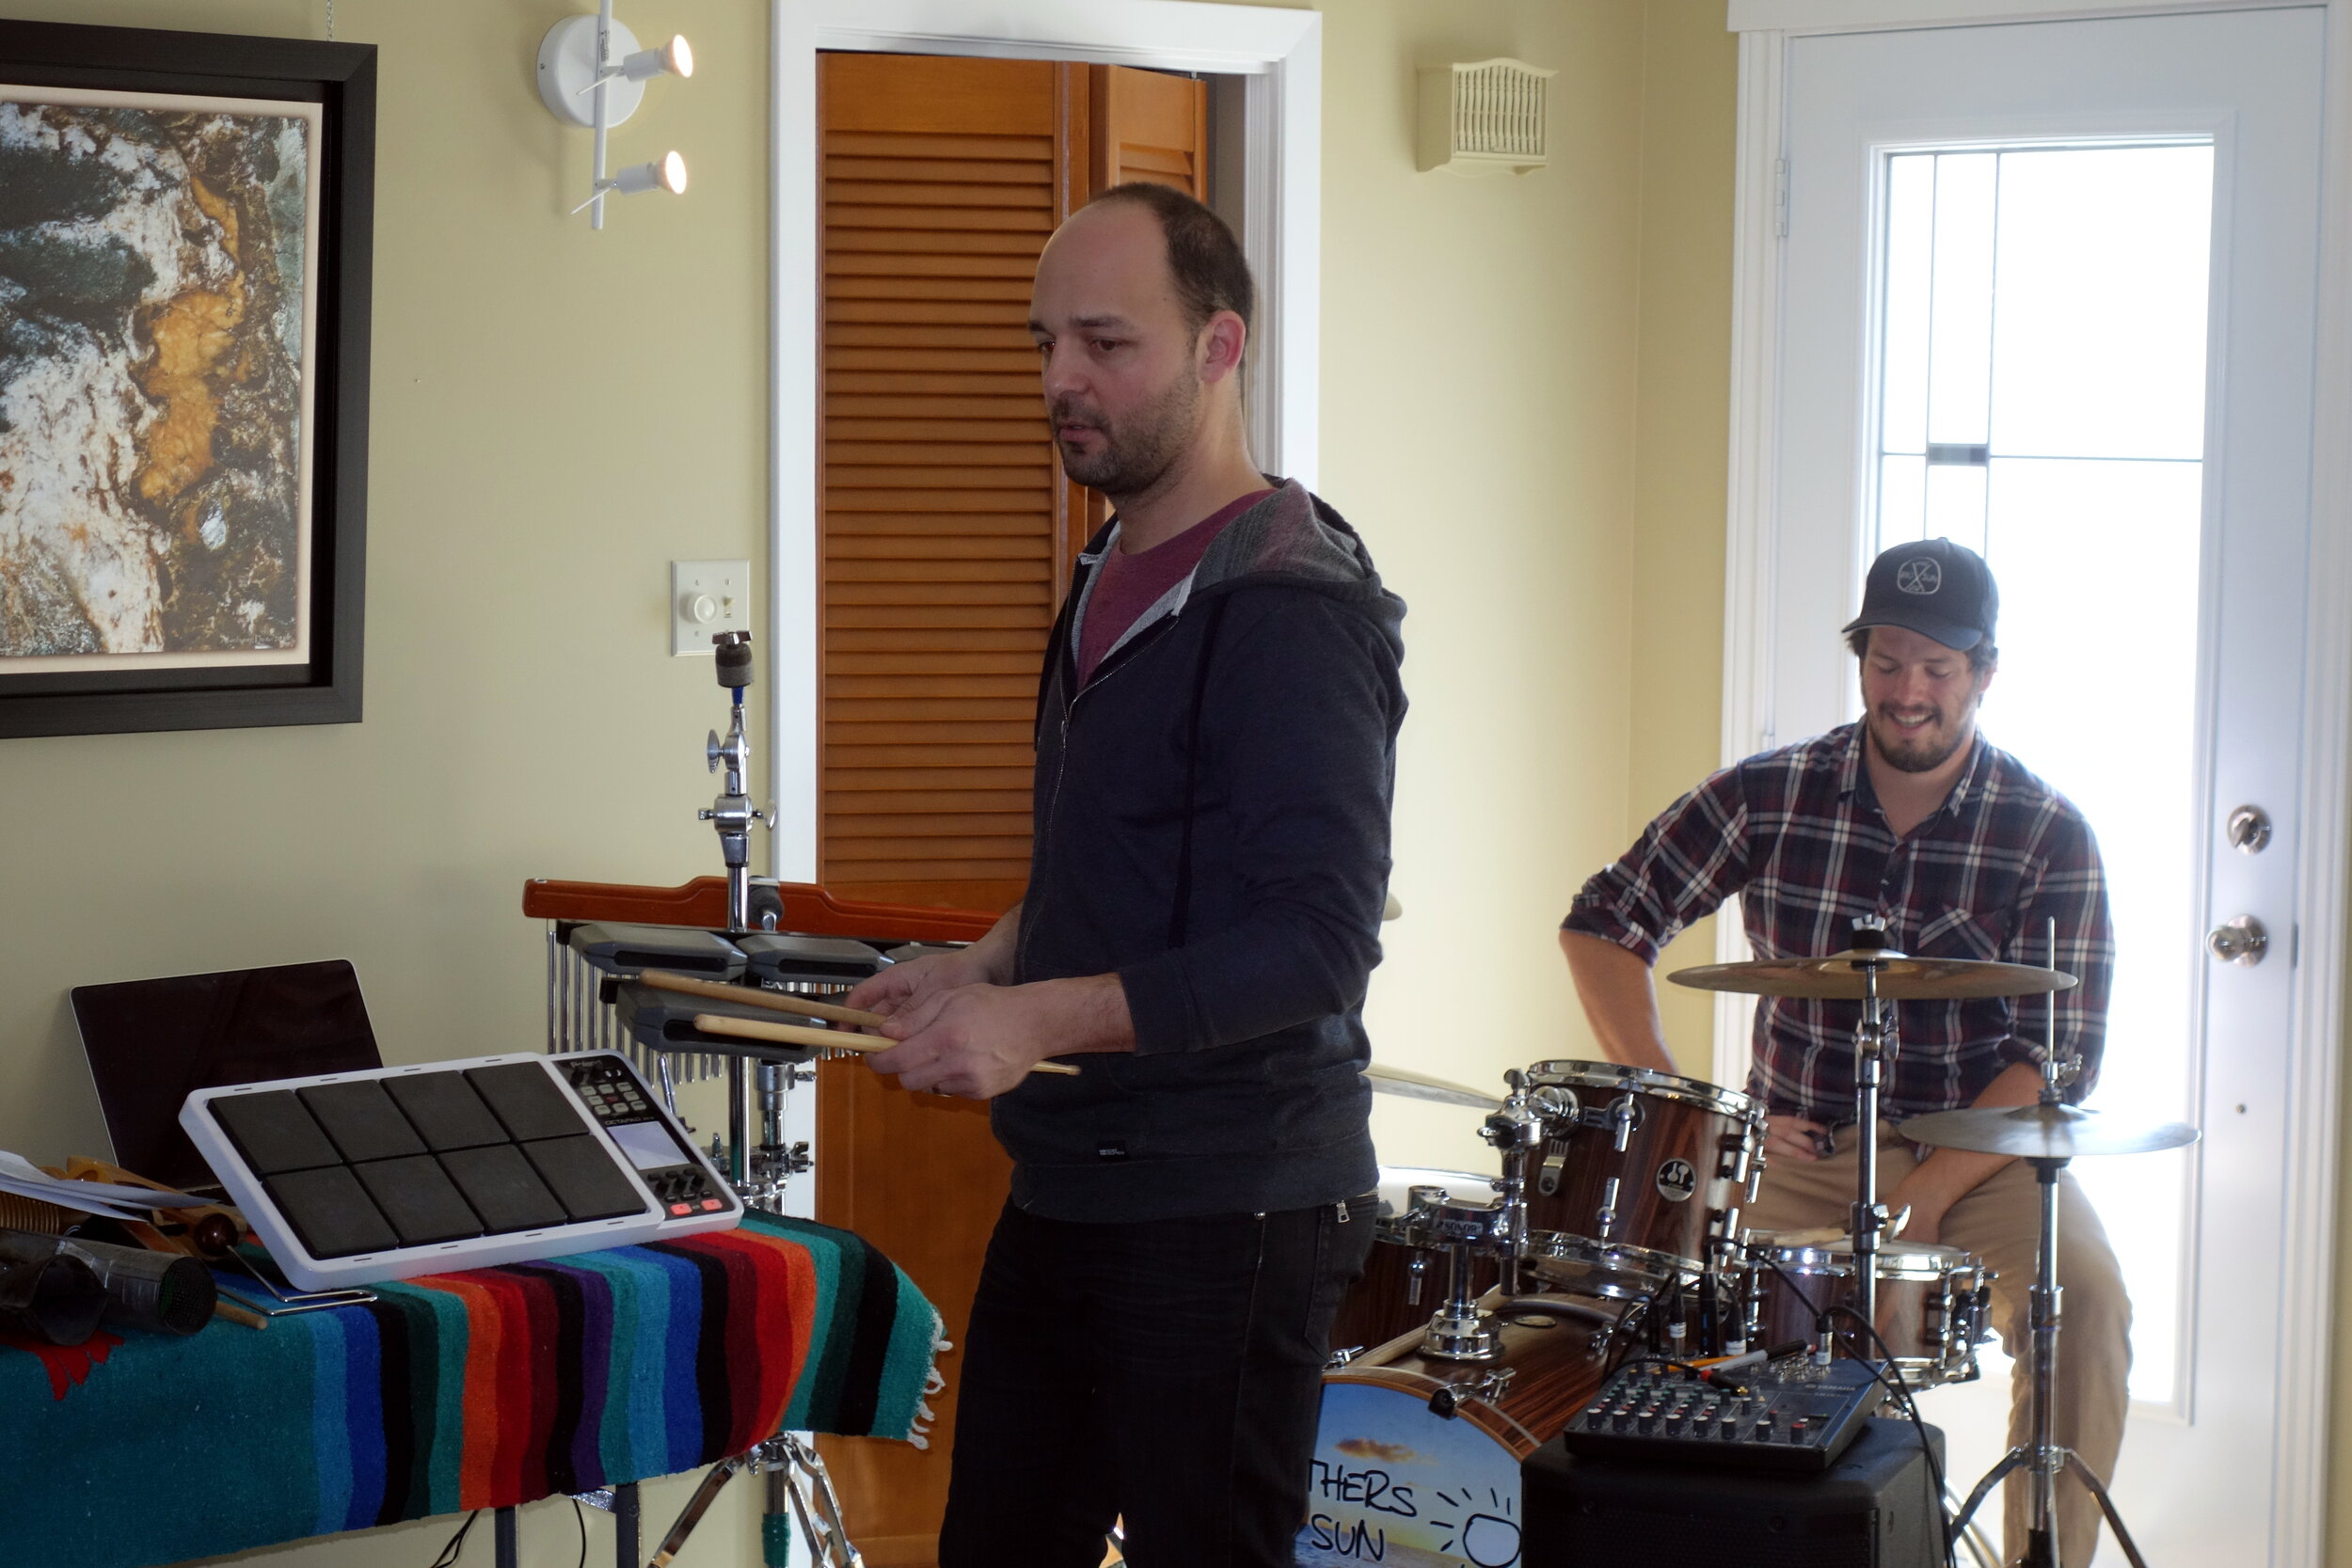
(592,73)
(666,173)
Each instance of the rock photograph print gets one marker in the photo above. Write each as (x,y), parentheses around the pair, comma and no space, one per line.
(157,265)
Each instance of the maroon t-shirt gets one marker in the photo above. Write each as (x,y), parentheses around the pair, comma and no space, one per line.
(1127,585)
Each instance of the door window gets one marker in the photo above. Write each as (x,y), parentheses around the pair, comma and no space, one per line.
(2042,399)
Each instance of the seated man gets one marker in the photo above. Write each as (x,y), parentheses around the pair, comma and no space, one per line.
(1910,817)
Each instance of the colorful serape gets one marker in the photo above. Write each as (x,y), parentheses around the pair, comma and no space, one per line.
(457,1391)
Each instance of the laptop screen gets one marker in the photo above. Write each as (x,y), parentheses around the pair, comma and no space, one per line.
(150,1042)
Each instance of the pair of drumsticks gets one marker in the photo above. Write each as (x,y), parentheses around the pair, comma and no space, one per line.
(788,1033)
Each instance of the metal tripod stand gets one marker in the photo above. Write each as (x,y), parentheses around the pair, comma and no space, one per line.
(2047,1135)
(2042,1457)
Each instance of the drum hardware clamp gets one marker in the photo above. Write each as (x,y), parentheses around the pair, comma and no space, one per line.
(1486,1386)
(1461,1331)
(1514,1127)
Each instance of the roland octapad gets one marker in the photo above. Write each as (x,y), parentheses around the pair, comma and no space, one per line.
(351,1177)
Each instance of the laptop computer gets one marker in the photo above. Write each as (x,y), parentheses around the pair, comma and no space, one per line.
(151,1042)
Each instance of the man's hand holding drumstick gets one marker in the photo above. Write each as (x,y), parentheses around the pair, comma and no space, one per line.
(963,1030)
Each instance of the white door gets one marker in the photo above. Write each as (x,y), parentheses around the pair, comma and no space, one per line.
(2050,291)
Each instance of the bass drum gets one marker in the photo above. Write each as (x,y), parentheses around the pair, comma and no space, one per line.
(1403,1285)
(1417,1459)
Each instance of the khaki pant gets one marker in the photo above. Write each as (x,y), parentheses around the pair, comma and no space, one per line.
(2000,1222)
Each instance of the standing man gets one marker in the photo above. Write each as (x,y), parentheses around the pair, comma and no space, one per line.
(1216,733)
(1909,816)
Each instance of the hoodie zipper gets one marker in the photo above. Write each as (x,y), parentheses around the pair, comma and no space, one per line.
(1061,756)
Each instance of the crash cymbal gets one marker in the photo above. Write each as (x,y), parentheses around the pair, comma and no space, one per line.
(2044,1131)
(1421,1085)
(1900,978)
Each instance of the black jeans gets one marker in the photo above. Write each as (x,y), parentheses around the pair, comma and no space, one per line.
(1168,1371)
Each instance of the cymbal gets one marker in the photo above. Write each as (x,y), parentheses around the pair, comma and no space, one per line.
(2044,1131)
(1900,978)
(1421,1085)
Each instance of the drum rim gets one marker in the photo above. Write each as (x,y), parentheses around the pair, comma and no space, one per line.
(1543,1245)
(1822,1259)
(1567,1071)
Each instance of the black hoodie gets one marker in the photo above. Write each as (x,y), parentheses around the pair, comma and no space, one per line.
(1212,824)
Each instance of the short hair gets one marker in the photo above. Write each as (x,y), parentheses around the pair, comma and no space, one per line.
(1211,271)
(1983,657)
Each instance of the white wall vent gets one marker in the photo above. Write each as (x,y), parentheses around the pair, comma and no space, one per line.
(1477,117)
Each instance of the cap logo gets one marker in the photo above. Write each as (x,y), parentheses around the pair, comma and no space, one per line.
(1921,574)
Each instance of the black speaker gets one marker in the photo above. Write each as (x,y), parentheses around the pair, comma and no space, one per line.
(1875,1508)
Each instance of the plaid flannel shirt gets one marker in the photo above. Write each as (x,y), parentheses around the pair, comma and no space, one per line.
(1798,835)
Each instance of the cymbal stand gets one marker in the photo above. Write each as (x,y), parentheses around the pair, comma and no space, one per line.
(2042,1458)
(1872,1044)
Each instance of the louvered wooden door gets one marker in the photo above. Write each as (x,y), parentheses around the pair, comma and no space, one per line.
(945,534)
(947,525)
(1149,125)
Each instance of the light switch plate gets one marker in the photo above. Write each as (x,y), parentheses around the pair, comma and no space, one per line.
(708,598)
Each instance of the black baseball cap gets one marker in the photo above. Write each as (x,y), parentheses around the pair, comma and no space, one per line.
(1934,587)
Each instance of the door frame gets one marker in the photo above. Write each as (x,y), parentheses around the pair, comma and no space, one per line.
(1278,53)
(2323,787)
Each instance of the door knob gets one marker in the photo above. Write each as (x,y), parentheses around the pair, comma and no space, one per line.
(2242,941)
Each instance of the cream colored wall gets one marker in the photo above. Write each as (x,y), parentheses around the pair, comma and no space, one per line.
(1479,338)
(1690,124)
(1522,409)
(556,414)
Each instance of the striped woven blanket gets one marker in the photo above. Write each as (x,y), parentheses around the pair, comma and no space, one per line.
(456,1391)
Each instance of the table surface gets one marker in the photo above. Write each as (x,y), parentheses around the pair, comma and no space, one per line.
(456,1391)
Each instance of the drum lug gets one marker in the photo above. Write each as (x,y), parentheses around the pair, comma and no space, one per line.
(1414,1272)
(1625,1115)
(1606,1221)
(1755,1176)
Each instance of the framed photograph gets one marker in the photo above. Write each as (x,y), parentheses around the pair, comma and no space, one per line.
(185,222)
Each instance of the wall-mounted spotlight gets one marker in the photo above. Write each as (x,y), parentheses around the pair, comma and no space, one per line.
(668,173)
(592,73)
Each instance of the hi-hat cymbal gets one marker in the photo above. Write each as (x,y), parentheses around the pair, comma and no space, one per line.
(1421,1085)
(1900,978)
(2044,1131)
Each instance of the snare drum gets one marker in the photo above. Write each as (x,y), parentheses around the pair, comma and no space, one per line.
(1417,1459)
(1932,1300)
(1404,1282)
(1639,1175)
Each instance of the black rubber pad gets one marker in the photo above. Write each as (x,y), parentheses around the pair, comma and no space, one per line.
(500,1186)
(418,1199)
(527,1100)
(362,1120)
(331,1211)
(273,1132)
(444,1110)
(584,1178)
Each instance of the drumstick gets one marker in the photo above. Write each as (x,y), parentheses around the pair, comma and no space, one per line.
(807,1006)
(829,1040)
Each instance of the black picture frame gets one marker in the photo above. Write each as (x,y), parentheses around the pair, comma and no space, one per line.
(342,78)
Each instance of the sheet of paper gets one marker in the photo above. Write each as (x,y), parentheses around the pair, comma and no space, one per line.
(20,1176)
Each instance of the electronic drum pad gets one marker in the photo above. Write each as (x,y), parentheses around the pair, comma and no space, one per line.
(351,1177)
